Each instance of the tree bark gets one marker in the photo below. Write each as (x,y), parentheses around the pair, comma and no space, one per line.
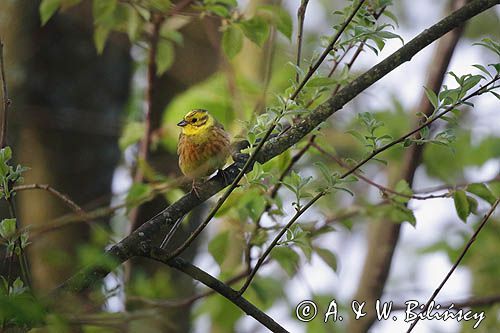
(67,102)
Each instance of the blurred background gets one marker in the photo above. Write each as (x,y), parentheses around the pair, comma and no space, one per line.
(85,97)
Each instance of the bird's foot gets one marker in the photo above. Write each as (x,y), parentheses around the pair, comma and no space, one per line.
(195,189)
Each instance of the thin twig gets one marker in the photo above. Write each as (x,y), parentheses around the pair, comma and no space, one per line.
(382,188)
(5,99)
(190,300)
(327,51)
(23,262)
(64,198)
(276,239)
(272,195)
(477,92)
(143,154)
(457,262)
(458,185)
(301,15)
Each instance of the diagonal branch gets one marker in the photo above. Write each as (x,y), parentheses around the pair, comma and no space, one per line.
(220,287)
(276,239)
(131,245)
(454,267)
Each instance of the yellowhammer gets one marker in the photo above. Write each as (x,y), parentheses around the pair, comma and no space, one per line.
(203,145)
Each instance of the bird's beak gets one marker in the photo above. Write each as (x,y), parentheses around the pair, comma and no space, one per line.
(182,123)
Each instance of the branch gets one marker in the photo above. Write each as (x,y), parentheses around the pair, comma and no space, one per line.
(130,245)
(326,51)
(217,285)
(276,239)
(385,190)
(23,261)
(272,194)
(301,14)
(5,101)
(143,153)
(64,198)
(186,301)
(457,262)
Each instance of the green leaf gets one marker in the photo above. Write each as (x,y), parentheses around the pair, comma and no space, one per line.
(101,33)
(397,213)
(325,171)
(161,5)
(482,191)
(321,82)
(287,258)
(431,95)
(134,24)
(279,17)
(5,156)
(483,69)
(302,239)
(132,133)
(138,192)
(461,204)
(472,204)
(495,94)
(219,246)
(47,9)
(389,35)
(328,257)
(357,135)
(256,29)
(471,82)
(391,15)
(284,23)
(267,290)
(404,214)
(102,9)
(8,228)
(403,188)
(218,10)
(164,56)
(232,41)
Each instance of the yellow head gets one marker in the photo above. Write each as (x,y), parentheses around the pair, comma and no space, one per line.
(196,122)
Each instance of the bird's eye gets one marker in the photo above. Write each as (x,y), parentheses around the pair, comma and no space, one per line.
(194,120)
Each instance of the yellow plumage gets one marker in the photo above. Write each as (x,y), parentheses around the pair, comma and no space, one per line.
(203,146)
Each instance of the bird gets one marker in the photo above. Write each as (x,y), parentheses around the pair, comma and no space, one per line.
(203,147)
